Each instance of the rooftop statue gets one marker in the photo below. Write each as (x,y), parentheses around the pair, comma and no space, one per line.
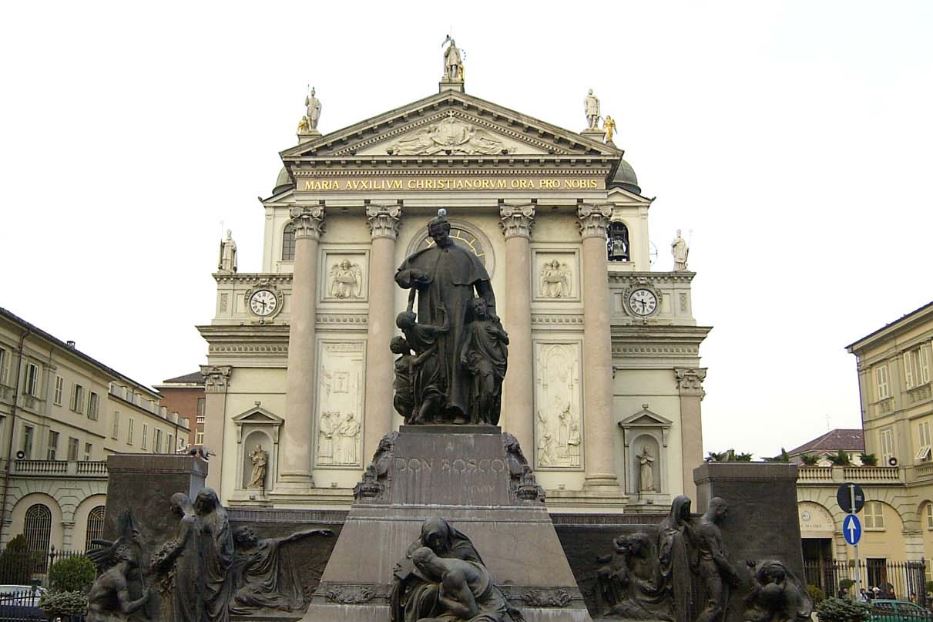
(453,63)
(680,251)
(313,109)
(591,105)
(227,260)
(443,280)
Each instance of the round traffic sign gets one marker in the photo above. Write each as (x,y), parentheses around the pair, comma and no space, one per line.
(844,496)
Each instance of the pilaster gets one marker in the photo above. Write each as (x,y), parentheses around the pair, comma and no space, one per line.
(593,221)
(516,218)
(295,460)
(690,386)
(216,382)
(383,220)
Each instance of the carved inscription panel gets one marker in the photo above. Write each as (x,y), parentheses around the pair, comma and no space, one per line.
(339,416)
(558,406)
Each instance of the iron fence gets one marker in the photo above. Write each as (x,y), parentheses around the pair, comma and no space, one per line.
(19,567)
(881,579)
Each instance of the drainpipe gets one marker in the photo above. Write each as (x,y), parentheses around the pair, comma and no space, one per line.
(9,447)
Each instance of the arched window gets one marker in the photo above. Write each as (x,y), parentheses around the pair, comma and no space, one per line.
(617,243)
(288,243)
(95,526)
(38,529)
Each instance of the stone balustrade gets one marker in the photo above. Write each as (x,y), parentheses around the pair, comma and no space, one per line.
(59,468)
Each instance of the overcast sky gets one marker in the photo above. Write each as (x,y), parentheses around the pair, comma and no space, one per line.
(790,141)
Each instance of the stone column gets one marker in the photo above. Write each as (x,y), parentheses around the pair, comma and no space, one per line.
(597,350)
(516,220)
(216,381)
(690,384)
(383,225)
(295,456)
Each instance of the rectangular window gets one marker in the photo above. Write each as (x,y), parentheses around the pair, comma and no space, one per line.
(92,404)
(28,433)
(199,438)
(72,449)
(2,366)
(145,442)
(924,364)
(887,445)
(157,441)
(929,513)
(31,382)
(873,516)
(115,432)
(924,443)
(129,432)
(77,399)
(53,445)
(200,412)
(59,388)
(169,448)
(881,382)
(911,370)
(88,449)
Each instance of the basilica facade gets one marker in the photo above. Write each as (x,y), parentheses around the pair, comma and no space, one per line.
(604,383)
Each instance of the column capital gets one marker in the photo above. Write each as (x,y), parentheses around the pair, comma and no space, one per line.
(516,218)
(216,377)
(690,380)
(593,220)
(308,221)
(383,219)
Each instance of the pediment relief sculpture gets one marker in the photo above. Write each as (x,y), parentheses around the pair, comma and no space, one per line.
(451,136)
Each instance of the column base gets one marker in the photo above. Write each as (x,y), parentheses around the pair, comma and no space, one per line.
(602,482)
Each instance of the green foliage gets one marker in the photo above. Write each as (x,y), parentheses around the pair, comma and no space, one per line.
(72,574)
(17,562)
(840,458)
(845,584)
(869,459)
(929,586)
(728,456)
(54,603)
(841,610)
(782,457)
(809,459)
(816,594)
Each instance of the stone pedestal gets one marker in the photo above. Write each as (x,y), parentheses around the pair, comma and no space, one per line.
(762,522)
(461,474)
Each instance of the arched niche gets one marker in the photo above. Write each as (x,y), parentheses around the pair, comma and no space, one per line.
(257,426)
(646,429)
(646,465)
(255,441)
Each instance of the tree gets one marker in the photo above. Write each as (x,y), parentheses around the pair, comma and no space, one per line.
(809,459)
(869,459)
(840,458)
(17,562)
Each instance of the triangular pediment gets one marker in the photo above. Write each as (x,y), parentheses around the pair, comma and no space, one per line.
(451,124)
(258,415)
(645,419)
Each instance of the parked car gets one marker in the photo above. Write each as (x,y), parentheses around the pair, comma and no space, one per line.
(886,610)
(21,602)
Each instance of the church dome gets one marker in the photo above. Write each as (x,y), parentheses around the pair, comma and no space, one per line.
(625,178)
(282,182)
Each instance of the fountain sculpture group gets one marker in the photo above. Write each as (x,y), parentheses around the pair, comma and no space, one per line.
(396,558)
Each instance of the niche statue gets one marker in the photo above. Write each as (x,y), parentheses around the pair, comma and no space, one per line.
(443,280)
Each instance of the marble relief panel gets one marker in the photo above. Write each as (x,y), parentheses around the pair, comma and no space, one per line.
(556,276)
(339,411)
(558,406)
(343,276)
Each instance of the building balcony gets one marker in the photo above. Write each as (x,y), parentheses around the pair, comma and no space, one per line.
(859,474)
(59,468)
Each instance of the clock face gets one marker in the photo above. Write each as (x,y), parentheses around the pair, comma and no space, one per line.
(462,238)
(263,302)
(642,302)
